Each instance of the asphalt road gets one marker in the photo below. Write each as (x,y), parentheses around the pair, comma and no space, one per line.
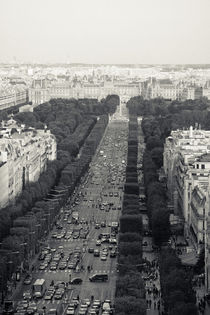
(102,184)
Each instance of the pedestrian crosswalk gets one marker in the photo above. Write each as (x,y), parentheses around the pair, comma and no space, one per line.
(70,270)
(74,240)
(44,302)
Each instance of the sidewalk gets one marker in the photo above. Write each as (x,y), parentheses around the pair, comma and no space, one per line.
(16,289)
(200,293)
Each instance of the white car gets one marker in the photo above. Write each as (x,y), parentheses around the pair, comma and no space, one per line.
(112,241)
(103,257)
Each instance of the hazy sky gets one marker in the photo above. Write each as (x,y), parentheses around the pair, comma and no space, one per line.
(105,31)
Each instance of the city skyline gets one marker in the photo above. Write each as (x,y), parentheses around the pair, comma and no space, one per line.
(107,32)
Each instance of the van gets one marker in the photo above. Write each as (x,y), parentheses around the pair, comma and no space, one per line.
(52,311)
(99,277)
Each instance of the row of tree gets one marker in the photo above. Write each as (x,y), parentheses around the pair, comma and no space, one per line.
(176,282)
(172,115)
(156,197)
(130,291)
(176,285)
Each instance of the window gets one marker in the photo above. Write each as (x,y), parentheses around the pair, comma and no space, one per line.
(203,166)
(197,165)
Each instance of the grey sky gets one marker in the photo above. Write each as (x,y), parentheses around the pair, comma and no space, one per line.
(105,31)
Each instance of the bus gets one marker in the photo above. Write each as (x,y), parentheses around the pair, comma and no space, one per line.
(39,288)
(114,227)
(99,277)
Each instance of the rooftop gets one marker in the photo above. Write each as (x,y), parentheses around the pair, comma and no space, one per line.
(204,158)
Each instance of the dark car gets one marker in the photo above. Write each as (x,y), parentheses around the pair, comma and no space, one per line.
(96,253)
(113,254)
(99,277)
(76,281)
(90,250)
(42,256)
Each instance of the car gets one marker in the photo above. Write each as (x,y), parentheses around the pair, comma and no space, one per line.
(63,266)
(112,241)
(113,254)
(96,253)
(75,235)
(99,277)
(144,243)
(28,279)
(76,281)
(104,251)
(75,301)
(48,295)
(97,226)
(103,224)
(51,289)
(83,305)
(27,295)
(72,265)
(86,301)
(70,311)
(82,311)
(90,250)
(32,308)
(72,305)
(53,266)
(43,266)
(60,285)
(42,256)
(92,311)
(103,257)
(98,243)
(106,306)
(59,294)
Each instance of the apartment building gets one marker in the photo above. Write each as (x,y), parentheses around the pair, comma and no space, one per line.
(187,167)
(11,95)
(24,154)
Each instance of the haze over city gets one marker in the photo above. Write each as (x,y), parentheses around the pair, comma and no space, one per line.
(98,31)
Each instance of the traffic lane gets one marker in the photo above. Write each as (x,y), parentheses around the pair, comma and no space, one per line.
(59,304)
(100,290)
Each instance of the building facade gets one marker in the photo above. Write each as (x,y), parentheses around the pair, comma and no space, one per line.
(187,167)
(43,90)
(23,157)
(12,95)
